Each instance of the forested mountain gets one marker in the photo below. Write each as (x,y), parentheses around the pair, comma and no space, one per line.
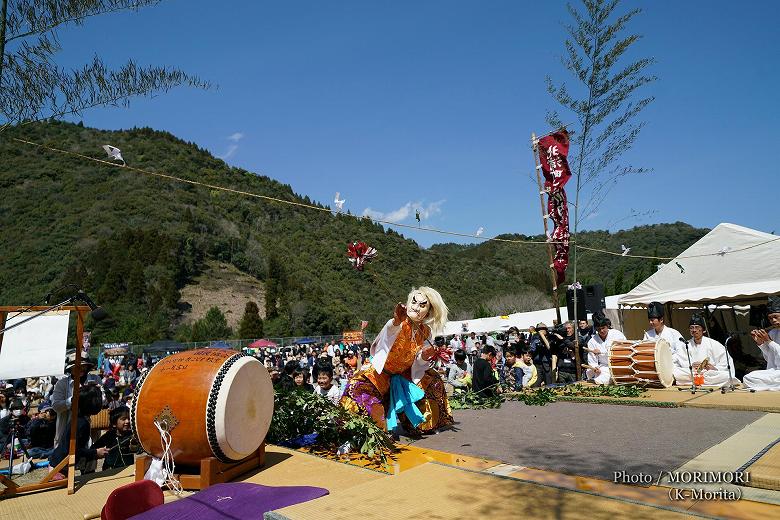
(134,241)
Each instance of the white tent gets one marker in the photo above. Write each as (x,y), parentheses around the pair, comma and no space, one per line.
(521,320)
(730,263)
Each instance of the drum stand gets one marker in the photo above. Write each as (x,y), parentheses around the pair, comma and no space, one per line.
(212,470)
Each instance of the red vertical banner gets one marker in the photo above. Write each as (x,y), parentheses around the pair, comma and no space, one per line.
(553,151)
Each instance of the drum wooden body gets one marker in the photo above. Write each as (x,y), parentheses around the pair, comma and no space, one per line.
(647,363)
(213,402)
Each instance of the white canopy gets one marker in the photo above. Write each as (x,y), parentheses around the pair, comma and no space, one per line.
(521,320)
(730,262)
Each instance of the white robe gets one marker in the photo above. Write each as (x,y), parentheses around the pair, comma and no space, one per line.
(670,335)
(601,359)
(768,379)
(715,352)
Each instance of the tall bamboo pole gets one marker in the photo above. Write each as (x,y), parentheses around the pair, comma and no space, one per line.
(535,150)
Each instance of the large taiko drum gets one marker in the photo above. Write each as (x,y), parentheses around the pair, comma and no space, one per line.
(647,363)
(213,402)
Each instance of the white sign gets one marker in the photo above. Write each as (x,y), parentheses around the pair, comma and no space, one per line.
(35,348)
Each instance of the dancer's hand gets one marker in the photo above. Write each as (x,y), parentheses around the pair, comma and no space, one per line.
(399,315)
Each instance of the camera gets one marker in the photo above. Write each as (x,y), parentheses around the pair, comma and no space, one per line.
(557,329)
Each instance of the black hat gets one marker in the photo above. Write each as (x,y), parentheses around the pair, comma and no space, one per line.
(697,319)
(655,310)
(599,320)
(773,304)
(70,361)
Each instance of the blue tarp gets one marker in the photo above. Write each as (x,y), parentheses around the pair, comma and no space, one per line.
(219,344)
(304,341)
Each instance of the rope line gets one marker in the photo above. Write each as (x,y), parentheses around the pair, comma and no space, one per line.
(167,459)
(375,220)
(275,199)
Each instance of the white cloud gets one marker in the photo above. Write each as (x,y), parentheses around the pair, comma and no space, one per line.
(233,148)
(230,152)
(406,211)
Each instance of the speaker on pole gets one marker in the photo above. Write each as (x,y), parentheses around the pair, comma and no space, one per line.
(581,312)
(594,298)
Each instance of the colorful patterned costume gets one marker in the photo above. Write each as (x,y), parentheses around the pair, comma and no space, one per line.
(397,351)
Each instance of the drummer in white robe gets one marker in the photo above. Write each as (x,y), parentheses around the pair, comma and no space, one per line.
(769,343)
(598,350)
(655,313)
(701,348)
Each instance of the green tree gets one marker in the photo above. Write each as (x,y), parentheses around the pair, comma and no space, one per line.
(617,286)
(251,325)
(212,326)
(275,287)
(34,87)
(136,284)
(603,98)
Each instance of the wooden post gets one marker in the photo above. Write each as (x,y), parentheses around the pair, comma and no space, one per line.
(74,403)
(535,150)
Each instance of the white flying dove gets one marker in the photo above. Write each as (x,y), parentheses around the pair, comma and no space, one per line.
(339,203)
(480,231)
(113,152)
(625,249)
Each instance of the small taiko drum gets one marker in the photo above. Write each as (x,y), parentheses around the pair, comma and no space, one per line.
(212,402)
(647,363)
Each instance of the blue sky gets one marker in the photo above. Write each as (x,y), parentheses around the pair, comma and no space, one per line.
(430,104)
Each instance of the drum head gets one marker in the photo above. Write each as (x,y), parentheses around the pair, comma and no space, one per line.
(663,363)
(245,405)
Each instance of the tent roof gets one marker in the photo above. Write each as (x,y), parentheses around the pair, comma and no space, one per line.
(729,263)
(164,345)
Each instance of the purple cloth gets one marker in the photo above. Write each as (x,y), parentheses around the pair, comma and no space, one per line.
(235,500)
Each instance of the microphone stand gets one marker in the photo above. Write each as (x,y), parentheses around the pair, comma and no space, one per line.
(40,313)
(97,312)
(694,387)
(730,385)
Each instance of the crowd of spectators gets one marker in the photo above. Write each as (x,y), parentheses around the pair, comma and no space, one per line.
(487,364)
(35,414)
(37,410)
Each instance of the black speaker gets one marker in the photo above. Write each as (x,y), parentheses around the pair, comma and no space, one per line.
(594,298)
(581,313)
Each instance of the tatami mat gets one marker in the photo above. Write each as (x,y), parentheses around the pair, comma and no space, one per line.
(738,400)
(437,491)
(283,467)
(765,472)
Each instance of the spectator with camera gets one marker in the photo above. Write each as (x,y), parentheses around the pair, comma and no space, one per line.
(13,424)
(563,345)
(541,352)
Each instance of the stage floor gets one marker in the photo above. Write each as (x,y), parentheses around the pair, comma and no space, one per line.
(561,454)
(588,439)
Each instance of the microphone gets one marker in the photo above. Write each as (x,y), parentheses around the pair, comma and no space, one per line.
(690,365)
(98,313)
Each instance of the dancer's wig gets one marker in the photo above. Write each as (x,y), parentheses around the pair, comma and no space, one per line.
(437,310)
